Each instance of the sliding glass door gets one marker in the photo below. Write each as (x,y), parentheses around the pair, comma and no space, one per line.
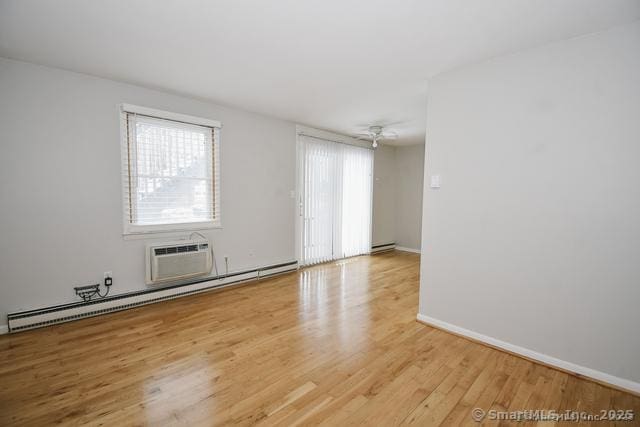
(335,199)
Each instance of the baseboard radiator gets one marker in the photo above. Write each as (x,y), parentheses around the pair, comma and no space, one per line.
(24,320)
(383,247)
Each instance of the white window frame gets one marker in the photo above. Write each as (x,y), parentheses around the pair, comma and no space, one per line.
(135,229)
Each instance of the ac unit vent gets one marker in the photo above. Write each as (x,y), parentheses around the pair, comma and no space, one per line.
(178,260)
(179,249)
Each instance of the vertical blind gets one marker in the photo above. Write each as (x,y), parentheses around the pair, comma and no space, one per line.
(357,190)
(336,199)
(170,172)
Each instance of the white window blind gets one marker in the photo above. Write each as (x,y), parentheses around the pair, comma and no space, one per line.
(170,174)
(357,191)
(320,201)
(336,200)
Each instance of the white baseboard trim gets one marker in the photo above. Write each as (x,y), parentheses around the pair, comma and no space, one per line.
(572,368)
(404,249)
(4,329)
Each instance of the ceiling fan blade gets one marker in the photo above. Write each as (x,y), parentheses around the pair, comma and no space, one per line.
(388,124)
(382,123)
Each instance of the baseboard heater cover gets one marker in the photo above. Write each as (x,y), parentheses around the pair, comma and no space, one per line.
(383,247)
(31,319)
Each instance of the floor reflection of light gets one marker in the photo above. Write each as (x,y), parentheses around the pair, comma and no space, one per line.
(180,391)
(332,307)
(313,294)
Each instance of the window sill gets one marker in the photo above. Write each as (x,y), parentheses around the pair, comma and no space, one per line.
(174,230)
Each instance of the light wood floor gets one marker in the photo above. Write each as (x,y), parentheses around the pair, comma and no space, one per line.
(335,344)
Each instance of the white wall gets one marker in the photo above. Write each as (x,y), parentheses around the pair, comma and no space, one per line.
(409,171)
(534,237)
(384,187)
(60,187)
(61,211)
(397,195)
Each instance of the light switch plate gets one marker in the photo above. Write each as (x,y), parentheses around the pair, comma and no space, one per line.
(435,181)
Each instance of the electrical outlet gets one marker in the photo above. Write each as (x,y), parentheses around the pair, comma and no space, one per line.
(108,274)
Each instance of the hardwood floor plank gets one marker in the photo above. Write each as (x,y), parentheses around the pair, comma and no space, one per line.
(334,344)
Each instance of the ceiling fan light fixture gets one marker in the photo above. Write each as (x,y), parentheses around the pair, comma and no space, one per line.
(376,133)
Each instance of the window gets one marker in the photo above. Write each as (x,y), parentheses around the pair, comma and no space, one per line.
(170,171)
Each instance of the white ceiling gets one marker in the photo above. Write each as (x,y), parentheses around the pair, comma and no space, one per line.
(339,65)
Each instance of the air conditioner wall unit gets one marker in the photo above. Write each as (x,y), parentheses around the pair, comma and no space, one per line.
(173,261)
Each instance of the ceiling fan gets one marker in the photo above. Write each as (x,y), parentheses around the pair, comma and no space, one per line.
(377,133)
